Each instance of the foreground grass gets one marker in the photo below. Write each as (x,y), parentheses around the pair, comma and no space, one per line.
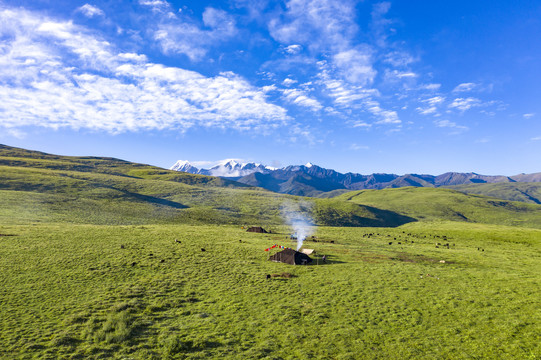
(133,292)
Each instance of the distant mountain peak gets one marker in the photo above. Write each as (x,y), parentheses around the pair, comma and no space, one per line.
(311,179)
(184,166)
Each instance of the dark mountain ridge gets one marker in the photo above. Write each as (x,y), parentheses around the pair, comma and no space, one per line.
(313,180)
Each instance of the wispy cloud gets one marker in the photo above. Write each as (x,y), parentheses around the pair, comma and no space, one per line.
(317,24)
(528,116)
(177,33)
(90,11)
(300,98)
(431,105)
(293,49)
(465,87)
(452,125)
(464,104)
(57,74)
(537,138)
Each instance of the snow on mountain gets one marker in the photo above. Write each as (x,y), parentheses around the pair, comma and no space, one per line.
(184,166)
(233,168)
(224,168)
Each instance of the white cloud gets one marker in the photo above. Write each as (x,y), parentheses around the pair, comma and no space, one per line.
(432,105)
(90,11)
(318,24)
(537,138)
(385,116)
(157,5)
(528,116)
(464,104)
(427,110)
(449,124)
(430,87)
(300,98)
(293,49)
(399,59)
(289,82)
(356,65)
(465,87)
(361,124)
(379,22)
(179,34)
(55,74)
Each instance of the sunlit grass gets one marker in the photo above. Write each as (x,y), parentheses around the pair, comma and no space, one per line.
(133,291)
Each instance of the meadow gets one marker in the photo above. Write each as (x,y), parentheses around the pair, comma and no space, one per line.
(105,259)
(150,292)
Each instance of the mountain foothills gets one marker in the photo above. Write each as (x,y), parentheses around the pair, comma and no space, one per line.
(312,180)
(36,186)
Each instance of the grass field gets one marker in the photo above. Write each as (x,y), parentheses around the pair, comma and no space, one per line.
(103,259)
(133,292)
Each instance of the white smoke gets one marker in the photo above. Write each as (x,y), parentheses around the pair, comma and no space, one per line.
(298,215)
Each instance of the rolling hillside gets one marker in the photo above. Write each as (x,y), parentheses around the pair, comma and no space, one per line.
(525,192)
(432,204)
(39,187)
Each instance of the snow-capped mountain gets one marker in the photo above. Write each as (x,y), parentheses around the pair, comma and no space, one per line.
(230,168)
(184,166)
(312,180)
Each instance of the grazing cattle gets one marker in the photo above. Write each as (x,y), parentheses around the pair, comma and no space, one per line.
(122,246)
(390,243)
(203,249)
(268,276)
(177,241)
(399,243)
(133,263)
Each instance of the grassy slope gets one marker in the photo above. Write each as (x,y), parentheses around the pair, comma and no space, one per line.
(75,289)
(444,204)
(75,292)
(525,192)
(41,187)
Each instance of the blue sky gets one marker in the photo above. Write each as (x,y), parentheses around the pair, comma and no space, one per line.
(361,86)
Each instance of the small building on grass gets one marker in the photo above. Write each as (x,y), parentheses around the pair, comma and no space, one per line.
(257,229)
(292,257)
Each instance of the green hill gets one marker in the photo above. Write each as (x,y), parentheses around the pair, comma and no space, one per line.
(525,192)
(40,187)
(445,204)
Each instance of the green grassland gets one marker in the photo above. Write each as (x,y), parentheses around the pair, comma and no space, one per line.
(526,192)
(133,292)
(40,187)
(434,204)
(101,258)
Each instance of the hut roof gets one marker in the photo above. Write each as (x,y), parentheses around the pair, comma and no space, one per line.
(257,229)
(308,251)
(290,256)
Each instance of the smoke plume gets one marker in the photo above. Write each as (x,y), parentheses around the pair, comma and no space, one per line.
(298,215)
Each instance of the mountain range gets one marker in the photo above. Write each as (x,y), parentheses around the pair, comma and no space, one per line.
(313,180)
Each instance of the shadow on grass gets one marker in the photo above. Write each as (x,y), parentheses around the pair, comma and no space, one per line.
(329,260)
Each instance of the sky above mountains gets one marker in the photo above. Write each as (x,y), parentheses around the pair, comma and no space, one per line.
(361,86)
